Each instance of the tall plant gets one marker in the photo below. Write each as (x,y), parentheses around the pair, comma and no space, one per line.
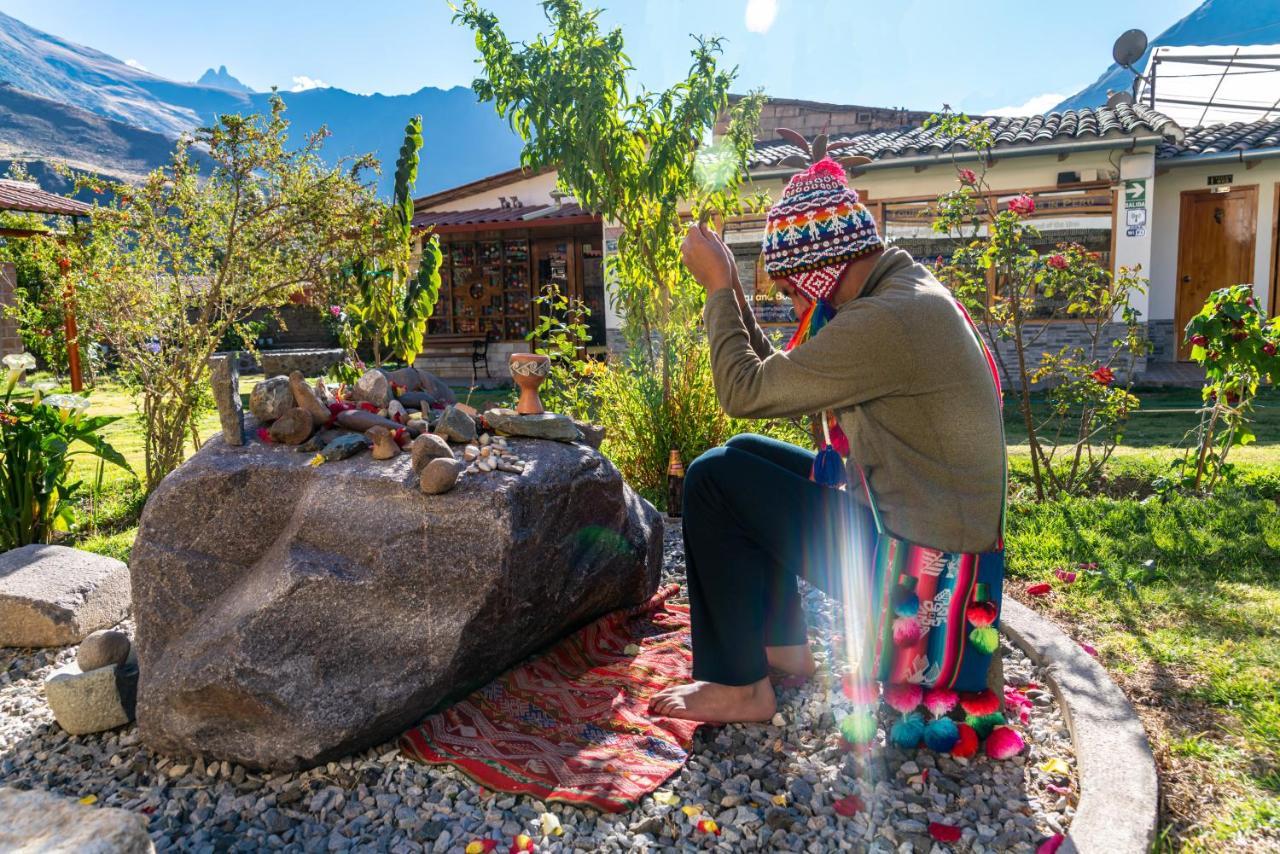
(633,157)
(391,306)
(178,263)
(1013,291)
(1237,345)
(39,436)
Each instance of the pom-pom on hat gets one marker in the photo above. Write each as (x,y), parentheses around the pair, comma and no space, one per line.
(816,229)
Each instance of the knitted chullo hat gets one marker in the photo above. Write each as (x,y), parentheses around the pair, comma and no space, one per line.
(816,229)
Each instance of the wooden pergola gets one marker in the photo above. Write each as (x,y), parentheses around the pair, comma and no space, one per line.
(24,197)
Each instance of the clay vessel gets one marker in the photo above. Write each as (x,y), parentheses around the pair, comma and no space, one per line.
(529,370)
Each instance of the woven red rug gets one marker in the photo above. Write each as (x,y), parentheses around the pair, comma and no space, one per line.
(573,724)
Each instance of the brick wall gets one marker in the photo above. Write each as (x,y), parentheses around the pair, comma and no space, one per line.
(9,340)
(1164,340)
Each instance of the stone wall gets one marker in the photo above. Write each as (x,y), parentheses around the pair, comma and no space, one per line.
(9,340)
(1057,335)
(1164,340)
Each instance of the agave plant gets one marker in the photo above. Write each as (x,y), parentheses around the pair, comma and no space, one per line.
(813,152)
(39,437)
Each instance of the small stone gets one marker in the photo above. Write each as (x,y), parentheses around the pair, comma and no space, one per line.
(486,464)
(373,387)
(473,469)
(396,411)
(592,434)
(225,378)
(292,428)
(428,447)
(439,475)
(346,445)
(547,425)
(485,439)
(91,702)
(384,446)
(270,399)
(305,398)
(102,648)
(470,453)
(456,426)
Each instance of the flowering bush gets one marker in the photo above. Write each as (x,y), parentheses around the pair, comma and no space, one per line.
(1237,345)
(1010,289)
(37,442)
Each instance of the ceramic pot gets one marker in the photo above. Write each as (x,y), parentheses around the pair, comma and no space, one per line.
(529,370)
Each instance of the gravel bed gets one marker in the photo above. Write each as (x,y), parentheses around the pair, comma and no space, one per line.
(767,786)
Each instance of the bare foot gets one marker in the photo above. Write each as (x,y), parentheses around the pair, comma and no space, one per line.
(713,703)
(792,660)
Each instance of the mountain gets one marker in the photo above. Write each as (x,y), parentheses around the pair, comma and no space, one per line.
(1214,22)
(221,79)
(41,130)
(463,140)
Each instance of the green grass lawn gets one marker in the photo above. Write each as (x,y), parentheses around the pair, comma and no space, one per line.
(1194,639)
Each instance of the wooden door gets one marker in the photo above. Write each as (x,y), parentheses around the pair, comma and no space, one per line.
(1216,234)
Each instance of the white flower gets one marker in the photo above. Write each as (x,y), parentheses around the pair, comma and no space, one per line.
(67,402)
(20,362)
(43,386)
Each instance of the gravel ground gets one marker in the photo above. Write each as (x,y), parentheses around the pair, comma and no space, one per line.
(767,786)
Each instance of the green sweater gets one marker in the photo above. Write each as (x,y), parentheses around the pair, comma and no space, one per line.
(910,388)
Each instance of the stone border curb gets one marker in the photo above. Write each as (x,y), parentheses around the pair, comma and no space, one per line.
(1118,811)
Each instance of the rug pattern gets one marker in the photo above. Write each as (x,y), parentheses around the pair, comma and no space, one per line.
(573,724)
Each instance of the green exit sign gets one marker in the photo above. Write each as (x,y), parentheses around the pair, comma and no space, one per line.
(1219,180)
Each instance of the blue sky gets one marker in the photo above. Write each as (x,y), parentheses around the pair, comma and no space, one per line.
(978,57)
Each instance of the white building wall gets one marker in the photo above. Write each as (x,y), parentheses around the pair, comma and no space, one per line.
(534,190)
(1164,254)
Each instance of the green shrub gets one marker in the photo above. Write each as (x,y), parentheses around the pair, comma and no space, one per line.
(38,437)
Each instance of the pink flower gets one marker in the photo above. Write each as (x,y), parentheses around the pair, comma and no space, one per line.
(1065,576)
(967,176)
(1022,205)
(1089,649)
(1057,261)
(335,310)
(1269,348)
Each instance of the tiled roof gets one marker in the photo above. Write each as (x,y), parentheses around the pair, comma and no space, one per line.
(1102,122)
(529,216)
(1215,139)
(29,198)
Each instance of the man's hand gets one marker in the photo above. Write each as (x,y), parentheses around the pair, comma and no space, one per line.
(708,260)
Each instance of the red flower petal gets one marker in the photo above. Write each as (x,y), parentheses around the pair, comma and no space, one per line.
(849,806)
(944,832)
(1051,845)
(1089,649)
(1041,589)
(264,435)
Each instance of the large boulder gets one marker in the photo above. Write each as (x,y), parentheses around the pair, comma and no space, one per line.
(55,596)
(288,614)
(42,821)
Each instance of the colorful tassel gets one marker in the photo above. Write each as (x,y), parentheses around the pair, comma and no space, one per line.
(941,734)
(982,702)
(984,724)
(985,639)
(811,322)
(828,469)
(982,614)
(966,742)
(858,727)
(861,692)
(939,701)
(907,732)
(1004,742)
(909,606)
(906,631)
(903,698)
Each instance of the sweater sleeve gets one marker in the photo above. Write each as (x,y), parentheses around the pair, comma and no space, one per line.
(861,354)
(759,342)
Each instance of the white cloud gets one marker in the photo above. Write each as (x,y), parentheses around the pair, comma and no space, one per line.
(133,63)
(1033,106)
(760,15)
(302,83)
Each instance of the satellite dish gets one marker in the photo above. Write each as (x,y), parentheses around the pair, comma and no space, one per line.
(1129,48)
(1114,99)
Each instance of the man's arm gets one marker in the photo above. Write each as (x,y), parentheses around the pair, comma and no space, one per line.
(861,354)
